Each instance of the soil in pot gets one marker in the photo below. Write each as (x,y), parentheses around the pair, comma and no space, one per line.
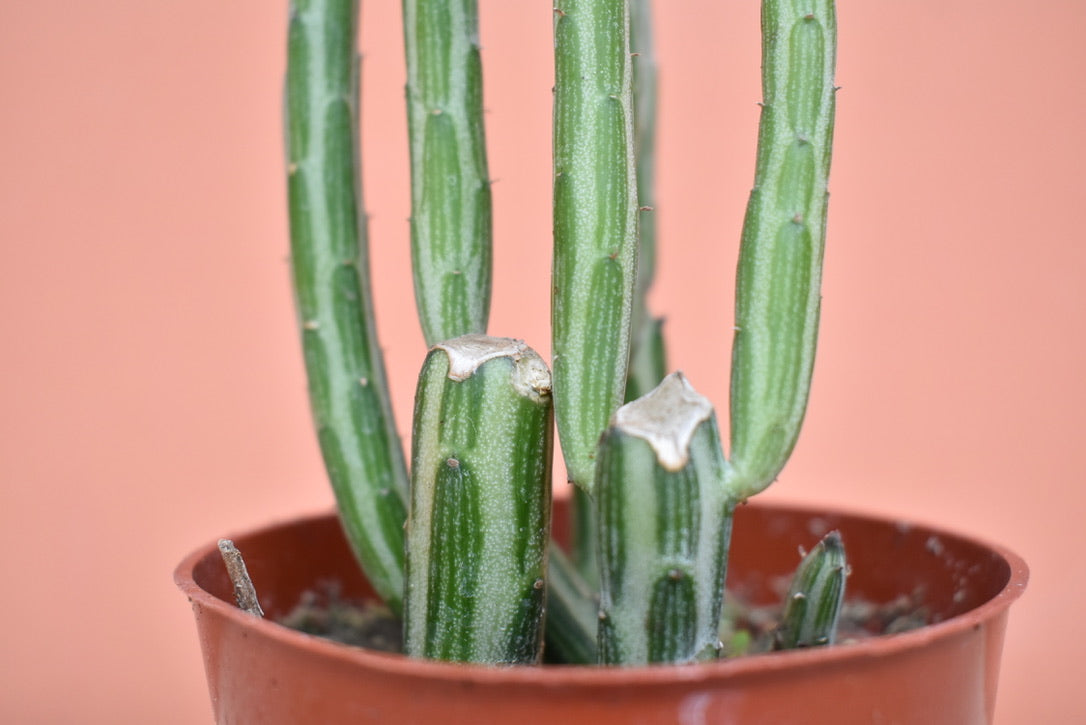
(946,673)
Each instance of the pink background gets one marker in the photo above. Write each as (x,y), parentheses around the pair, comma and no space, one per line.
(152,390)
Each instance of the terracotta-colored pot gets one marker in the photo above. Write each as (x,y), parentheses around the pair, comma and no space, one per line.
(263,673)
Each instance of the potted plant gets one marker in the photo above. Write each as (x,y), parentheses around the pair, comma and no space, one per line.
(462,550)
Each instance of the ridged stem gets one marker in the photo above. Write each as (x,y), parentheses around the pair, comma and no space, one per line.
(572,613)
(480,503)
(814,598)
(583,538)
(664,524)
(780,260)
(595,223)
(347,386)
(450,186)
(648,361)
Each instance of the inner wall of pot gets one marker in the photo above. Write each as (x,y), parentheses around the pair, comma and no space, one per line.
(948,574)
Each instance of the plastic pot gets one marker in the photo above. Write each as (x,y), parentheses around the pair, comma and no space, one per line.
(261,672)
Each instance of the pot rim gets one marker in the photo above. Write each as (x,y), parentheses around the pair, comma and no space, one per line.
(594,676)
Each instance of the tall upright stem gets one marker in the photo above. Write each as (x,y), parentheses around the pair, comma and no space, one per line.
(595,223)
(648,359)
(347,387)
(778,286)
(450,187)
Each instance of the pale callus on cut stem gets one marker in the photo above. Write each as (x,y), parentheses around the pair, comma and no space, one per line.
(666,417)
(480,503)
(661,586)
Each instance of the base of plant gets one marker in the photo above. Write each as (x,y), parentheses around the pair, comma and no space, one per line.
(359,622)
(262,672)
(747,629)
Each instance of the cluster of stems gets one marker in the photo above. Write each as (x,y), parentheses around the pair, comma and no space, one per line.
(462,548)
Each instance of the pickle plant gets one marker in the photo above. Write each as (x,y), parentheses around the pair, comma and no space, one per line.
(460,549)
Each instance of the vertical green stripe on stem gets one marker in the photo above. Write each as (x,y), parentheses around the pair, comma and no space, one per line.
(455,556)
(480,503)
(815,597)
(572,612)
(450,186)
(780,262)
(329,254)
(664,526)
(648,358)
(595,223)
(648,362)
(672,617)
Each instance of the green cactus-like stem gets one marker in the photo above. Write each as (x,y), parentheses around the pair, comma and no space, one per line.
(664,526)
(648,360)
(480,503)
(595,223)
(347,385)
(815,597)
(450,187)
(780,260)
(648,355)
(572,612)
(583,538)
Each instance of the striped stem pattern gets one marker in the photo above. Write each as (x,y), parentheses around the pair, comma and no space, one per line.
(665,524)
(572,612)
(347,386)
(450,187)
(480,503)
(814,598)
(595,223)
(780,259)
(648,361)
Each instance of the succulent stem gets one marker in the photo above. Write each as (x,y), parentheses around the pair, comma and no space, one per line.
(814,598)
(648,361)
(450,187)
(664,523)
(780,259)
(480,503)
(329,255)
(572,612)
(595,223)
(583,538)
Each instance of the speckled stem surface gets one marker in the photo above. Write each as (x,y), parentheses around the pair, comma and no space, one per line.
(347,387)
(450,187)
(778,286)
